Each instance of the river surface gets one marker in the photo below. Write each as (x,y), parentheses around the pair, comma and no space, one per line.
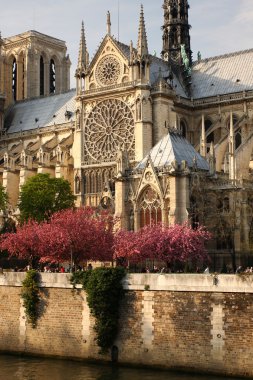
(25,368)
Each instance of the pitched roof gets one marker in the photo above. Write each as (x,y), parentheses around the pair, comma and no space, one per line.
(157,64)
(41,112)
(174,147)
(223,74)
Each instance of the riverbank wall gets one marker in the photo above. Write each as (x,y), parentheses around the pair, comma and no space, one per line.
(200,323)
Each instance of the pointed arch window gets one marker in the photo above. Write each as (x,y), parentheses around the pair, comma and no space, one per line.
(150,208)
(14,79)
(42,76)
(183,128)
(52,77)
(209,136)
(238,135)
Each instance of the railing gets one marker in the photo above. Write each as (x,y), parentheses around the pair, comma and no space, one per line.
(108,88)
(215,99)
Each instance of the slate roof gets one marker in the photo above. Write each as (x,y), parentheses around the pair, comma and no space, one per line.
(156,65)
(223,74)
(40,112)
(174,147)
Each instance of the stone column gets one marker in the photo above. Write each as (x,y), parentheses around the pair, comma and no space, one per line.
(120,205)
(11,185)
(179,199)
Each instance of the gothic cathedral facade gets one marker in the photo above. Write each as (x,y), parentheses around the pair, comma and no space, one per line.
(151,139)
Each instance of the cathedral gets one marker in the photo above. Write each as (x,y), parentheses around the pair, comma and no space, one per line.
(152,139)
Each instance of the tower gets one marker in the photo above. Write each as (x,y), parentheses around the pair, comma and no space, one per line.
(176,31)
(39,67)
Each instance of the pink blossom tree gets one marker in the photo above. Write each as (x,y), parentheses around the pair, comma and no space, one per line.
(86,235)
(70,235)
(23,244)
(173,244)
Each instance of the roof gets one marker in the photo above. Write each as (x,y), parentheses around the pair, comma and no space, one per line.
(156,65)
(174,147)
(223,74)
(29,34)
(41,112)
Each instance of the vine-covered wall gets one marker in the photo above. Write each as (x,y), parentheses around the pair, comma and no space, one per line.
(188,322)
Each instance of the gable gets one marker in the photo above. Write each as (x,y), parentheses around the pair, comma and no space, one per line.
(109,66)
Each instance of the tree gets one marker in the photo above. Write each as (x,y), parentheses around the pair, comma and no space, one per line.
(23,244)
(69,235)
(173,244)
(4,199)
(43,195)
(86,234)
(8,224)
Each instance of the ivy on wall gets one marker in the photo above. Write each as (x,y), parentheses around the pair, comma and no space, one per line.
(104,292)
(30,296)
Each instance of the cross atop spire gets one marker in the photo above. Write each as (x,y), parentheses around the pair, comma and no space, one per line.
(142,45)
(83,59)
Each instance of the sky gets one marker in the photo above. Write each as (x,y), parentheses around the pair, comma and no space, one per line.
(218,26)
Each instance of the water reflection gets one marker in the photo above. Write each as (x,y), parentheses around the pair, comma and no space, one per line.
(16,368)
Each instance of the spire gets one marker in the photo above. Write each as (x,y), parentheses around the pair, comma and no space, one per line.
(142,45)
(108,23)
(203,138)
(83,59)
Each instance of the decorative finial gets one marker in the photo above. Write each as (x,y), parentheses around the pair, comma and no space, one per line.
(108,23)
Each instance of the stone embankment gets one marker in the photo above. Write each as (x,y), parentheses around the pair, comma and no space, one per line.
(200,323)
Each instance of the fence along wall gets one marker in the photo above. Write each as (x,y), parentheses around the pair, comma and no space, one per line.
(182,322)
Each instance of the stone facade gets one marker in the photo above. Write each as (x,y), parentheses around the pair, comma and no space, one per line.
(185,322)
(122,138)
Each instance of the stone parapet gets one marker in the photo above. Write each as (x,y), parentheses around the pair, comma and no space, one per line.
(209,283)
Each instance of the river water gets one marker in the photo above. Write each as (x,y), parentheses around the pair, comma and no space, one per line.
(25,368)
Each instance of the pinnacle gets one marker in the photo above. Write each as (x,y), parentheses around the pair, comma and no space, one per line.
(142,45)
(82,61)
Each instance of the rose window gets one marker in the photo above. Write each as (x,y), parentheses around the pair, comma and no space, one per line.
(109,126)
(108,70)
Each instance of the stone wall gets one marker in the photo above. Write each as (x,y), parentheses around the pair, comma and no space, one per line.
(188,322)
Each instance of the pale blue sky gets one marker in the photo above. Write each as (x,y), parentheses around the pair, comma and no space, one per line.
(218,26)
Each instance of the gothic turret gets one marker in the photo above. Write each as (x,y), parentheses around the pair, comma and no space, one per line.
(83,62)
(176,35)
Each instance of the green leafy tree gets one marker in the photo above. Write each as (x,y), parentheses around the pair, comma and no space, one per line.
(4,199)
(8,224)
(42,195)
